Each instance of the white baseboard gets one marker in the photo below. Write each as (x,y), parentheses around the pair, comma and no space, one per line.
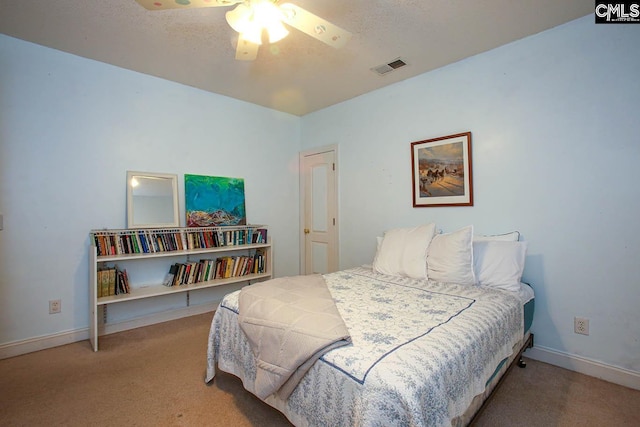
(30,345)
(593,368)
(572,362)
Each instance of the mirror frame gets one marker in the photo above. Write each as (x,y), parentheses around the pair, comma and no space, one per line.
(130,202)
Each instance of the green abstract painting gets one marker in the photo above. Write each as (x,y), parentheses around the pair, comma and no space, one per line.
(214,201)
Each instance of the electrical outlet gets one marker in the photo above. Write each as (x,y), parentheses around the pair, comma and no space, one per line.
(55,306)
(581,325)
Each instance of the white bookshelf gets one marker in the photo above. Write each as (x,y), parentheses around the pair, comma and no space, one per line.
(124,255)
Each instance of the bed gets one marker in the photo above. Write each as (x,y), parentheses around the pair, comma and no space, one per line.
(427,344)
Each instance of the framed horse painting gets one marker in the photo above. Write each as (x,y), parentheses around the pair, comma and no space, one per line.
(441,171)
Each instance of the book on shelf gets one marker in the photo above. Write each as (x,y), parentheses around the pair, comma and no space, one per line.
(180,274)
(169,278)
(204,270)
(111,281)
(125,281)
(191,272)
(121,284)
(237,267)
(121,242)
(207,270)
(228,267)
(102,283)
(105,282)
(143,242)
(184,279)
(178,240)
(134,243)
(259,236)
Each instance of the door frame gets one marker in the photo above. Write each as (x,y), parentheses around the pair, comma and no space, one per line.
(336,233)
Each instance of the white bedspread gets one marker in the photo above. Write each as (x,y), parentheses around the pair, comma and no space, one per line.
(290,322)
(420,351)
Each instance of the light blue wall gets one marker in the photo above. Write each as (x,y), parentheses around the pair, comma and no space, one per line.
(554,122)
(555,153)
(70,128)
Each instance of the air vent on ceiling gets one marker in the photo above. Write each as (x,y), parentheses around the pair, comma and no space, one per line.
(387,68)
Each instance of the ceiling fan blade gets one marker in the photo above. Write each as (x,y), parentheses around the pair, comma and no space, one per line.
(246,50)
(184,4)
(314,26)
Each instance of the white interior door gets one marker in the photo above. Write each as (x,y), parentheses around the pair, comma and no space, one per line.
(319,234)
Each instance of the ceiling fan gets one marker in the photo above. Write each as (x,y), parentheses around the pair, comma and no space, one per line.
(251,17)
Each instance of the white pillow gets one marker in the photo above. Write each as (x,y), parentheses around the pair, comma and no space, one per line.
(450,257)
(499,264)
(513,236)
(403,251)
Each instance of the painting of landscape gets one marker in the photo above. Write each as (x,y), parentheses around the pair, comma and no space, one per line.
(442,171)
(214,201)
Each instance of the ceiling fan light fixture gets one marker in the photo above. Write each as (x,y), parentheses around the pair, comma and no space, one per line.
(276,31)
(253,36)
(252,18)
(265,11)
(240,18)
(249,19)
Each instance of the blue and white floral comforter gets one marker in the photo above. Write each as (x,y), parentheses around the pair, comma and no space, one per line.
(420,351)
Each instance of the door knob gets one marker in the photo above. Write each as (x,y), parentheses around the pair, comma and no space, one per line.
(306,231)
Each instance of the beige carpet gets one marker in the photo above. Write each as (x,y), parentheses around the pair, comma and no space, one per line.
(153,376)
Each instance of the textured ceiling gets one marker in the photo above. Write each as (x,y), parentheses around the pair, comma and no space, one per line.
(299,74)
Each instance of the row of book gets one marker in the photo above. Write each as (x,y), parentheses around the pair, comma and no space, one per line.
(163,240)
(188,273)
(112,281)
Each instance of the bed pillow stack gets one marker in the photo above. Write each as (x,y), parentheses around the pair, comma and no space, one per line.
(459,257)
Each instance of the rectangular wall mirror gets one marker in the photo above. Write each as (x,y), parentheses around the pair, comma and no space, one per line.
(152,200)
